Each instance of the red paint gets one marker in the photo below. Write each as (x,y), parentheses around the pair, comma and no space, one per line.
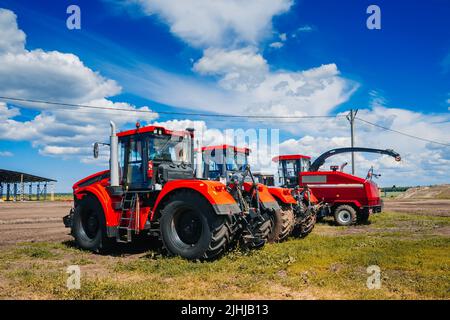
(342,188)
(213,191)
(283,195)
(290,157)
(152,129)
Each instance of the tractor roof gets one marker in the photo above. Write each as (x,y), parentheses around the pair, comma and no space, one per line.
(290,157)
(226,146)
(154,129)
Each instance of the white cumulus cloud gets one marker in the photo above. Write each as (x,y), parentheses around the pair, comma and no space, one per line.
(204,23)
(55,76)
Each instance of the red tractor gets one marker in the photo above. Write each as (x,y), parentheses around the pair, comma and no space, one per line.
(150,188)
(348,198)
(229,164)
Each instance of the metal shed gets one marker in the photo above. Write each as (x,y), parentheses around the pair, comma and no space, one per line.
(13,185)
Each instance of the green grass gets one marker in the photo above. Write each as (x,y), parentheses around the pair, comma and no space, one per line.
(323,265)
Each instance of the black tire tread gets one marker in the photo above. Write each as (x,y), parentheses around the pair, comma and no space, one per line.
(220,226)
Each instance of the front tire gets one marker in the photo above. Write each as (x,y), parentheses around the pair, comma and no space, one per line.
(282,224)
(345,215)
(190,228)
(89,225)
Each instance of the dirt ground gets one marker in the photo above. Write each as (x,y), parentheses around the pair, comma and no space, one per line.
(33,221)
(42,221)
(419,206)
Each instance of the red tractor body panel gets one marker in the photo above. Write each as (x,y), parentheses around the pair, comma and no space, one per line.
(283,195)
(264,194)
(335,187)
(214,191)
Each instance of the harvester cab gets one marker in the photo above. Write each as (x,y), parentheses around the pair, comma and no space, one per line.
(289,167)
(348,197)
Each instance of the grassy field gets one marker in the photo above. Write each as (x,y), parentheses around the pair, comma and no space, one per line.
(411,250)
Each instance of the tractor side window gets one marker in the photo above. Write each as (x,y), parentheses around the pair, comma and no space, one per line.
(121,160)
(135,168)
(290,169)
(305,165)
(214,161)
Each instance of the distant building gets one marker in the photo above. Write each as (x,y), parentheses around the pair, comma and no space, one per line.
(19,186)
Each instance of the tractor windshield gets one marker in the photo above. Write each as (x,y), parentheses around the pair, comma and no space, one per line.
(241,160)
(288,172)
(218,161)
(235,160)
(165,148)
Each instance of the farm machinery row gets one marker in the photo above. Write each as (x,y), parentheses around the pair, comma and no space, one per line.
(152,188)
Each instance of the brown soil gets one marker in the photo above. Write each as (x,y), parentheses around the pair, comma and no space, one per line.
(33,221)
(419,206)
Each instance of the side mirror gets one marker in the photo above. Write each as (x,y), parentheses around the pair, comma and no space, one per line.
(95,150)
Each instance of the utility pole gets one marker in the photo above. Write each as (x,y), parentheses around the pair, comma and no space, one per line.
(351,118)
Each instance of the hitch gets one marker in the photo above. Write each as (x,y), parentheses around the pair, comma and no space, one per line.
(68,220)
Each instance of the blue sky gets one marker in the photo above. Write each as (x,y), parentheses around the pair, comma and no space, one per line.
(228,59)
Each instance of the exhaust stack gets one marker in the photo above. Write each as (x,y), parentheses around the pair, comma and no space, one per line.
(199,164)
(113,157)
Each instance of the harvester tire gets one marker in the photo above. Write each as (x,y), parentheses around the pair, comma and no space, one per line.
(282,224)
(89,225)
(345,215)
(190,228)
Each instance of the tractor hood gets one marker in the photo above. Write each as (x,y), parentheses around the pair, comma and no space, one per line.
(96,177)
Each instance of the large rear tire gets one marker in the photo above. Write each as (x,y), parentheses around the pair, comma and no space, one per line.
(89,225)
(345,215)
(282,224)
(190,228)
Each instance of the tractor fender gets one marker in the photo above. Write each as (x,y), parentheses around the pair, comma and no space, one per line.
(213,191)
(265,198)
(312,198)
(103,197)
(282,195)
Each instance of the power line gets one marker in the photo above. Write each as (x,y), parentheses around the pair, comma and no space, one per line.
(403,133)
(259,118)
(61,104)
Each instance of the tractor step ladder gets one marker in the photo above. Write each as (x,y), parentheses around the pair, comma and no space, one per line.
(127,221)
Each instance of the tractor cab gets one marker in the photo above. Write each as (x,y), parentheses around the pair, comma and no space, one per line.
(223,160)
(289,167)
(151,156)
